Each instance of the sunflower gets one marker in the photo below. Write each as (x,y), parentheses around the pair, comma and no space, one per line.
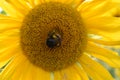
(58,39)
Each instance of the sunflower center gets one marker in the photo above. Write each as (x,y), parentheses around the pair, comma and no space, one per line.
(53,36)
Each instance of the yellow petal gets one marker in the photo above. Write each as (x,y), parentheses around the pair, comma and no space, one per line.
(9,51)
(21,69)
(9,38)
(94,69)
(70,74)
(81,72)
(108,56)
(10,68)
(113,36)
(3,64)
(103,20)
(19,6)
(25,4)
(10,9)
(116,1)
(98,8)
(10,35)
(62,1)
(31,2)
(108,43)
(93,8)
(76,3)
(106,36)
(7,42)
(11,23)
(27,73)
(40,74)
(106,24)
(38,2)
(74,72)
(5,17)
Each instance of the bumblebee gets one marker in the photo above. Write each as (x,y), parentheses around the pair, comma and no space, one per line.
(53,40)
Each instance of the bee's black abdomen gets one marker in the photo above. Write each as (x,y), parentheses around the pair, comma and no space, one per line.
(51,42)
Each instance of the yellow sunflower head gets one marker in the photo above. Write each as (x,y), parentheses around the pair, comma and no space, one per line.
(53,35)
(58,39)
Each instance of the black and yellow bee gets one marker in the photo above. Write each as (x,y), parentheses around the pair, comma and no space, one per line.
(54,39)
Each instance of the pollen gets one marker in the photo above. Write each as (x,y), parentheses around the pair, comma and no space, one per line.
(53,36)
